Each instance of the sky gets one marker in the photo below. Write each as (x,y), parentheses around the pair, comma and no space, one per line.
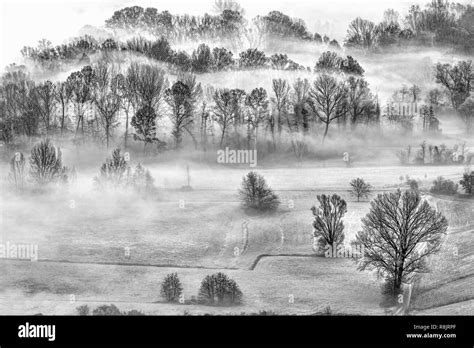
(23,23)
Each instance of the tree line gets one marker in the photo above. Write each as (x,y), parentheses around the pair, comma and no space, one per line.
(440,23)
(92,102)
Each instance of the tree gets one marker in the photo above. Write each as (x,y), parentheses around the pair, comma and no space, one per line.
(64,93)
(400,231)
(256,194)
(222,59)
(146,84)
(466,110)
(201,60)
(178,98)
(142,181)
(227,110)
(281,89)
(161,50)
(144,123)
(457,80)
(219,289)
(46,164)
(107,98)
(359,99)
(252,58)
(257,102)
(81,84)
(46,97)
(328,62)
(112,172)
(222,5)
(301,88)
(327,98)
(327,224)
(360,189)
(171,288)
(467,182)
(361,34)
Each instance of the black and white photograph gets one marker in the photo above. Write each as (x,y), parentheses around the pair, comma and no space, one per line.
(237,158)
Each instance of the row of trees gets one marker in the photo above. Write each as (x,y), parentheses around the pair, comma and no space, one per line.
(215,289)
(91,102)
(228,24)
(45,170)
(440,23)
(201,60)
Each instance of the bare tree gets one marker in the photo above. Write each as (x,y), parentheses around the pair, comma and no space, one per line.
(146,84)
(327,98)
(64,92)
(359,100)
(398,234)
(178,98)
(223,111)
(281,89)
(106,97)
(360,189)
(46,164)
(257,102)
(327,222)
(46,97)
(301,88)
(361,33)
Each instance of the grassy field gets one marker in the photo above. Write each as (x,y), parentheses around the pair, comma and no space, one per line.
(83,234)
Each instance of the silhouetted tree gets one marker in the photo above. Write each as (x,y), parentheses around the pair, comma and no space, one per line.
(398,234)
(327,224)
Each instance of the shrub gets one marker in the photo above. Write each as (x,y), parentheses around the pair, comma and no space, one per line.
(219,289)
(106,310)
(256,194)
(171,288)
(83,310)
(444,186)
(46,165)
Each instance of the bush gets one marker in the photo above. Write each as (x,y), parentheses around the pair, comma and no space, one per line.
(46,165)
(107,310)
(171,288)
(219,289)
(413,184)
(83,310)
(256,194)
(134,312)
(444,186)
